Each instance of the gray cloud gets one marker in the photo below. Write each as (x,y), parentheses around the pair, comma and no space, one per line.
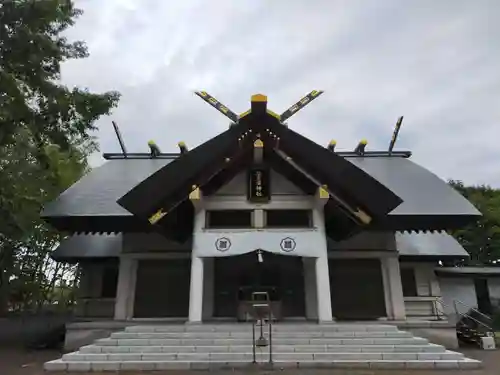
(436,63)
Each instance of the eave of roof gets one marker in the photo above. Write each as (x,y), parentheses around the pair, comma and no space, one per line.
(468,271)
(439,245)
(79,247)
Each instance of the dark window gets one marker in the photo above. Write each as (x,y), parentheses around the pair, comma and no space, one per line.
(229,219)
(288,218)
(409,283)
(109,281)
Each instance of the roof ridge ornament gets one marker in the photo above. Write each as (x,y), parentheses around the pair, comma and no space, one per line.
(259,104)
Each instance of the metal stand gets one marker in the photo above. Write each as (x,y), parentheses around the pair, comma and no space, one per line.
(261,310)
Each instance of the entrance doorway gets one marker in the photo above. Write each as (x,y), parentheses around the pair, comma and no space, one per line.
(237,277)
(162,288)
(357,289)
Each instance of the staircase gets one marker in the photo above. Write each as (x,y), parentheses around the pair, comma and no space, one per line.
(228,346)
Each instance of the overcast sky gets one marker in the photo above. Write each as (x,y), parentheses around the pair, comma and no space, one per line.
(435,62)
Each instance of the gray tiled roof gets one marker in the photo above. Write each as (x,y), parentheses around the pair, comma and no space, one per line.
(97,192)
(88,246)
(423,193)
(435,244)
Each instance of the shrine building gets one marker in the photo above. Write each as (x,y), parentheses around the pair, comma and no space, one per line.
(328,234)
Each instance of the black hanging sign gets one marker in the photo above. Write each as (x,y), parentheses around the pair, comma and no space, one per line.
(259,185)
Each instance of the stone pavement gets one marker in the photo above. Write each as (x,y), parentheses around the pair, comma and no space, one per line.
(19,362)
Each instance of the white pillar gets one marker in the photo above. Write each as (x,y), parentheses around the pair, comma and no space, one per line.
(324,301)
(394,288)
(196,290)
(208,292)
(323,297)
(310,288)
(125,291)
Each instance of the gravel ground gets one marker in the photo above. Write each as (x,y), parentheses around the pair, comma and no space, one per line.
(21,362)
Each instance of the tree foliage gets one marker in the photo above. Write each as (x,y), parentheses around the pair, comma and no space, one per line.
(45,138)
(481,238)
(32,48)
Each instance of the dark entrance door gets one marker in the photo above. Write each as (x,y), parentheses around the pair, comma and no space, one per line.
(236,277)
(357,289)
(162,288)
(483,296)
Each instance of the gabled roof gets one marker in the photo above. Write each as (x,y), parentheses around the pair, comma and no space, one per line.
(354,194)
(374,193)
(93,200)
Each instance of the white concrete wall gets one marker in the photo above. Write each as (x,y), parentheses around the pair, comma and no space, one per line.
(458,288)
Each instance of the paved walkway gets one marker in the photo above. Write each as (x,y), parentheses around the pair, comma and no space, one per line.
(19,362)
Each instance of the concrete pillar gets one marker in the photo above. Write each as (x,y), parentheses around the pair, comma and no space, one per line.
(125,291)
(324,302)
(393,288)
(196,290)
(310,288)
(208,285)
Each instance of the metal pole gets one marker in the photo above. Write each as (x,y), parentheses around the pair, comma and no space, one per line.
(253,342)
(395,134)
(120,139)
(270,335)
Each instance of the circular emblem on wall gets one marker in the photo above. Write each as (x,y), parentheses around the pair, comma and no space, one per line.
(223,244)
(288,244)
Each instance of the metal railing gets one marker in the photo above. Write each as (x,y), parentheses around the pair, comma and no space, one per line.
(457,302)
(439,301)
(262,311)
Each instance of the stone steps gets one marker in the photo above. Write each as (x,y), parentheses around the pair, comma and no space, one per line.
(280,327)
(227,346)
(247,335)
(261,356)
(276,341)
(430,348)
(59,365)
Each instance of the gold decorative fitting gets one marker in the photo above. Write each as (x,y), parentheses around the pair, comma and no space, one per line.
(258,143)
(151,143)
(363,216)
(157,216)
(333,142)
(258,98)
(363,142)
(275,115)
(323,193)
(181,144)
(195,194)
(228,160)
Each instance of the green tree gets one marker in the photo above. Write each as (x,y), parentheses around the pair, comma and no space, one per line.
(45,137)
(481,238)
(32,49)
(25,240)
